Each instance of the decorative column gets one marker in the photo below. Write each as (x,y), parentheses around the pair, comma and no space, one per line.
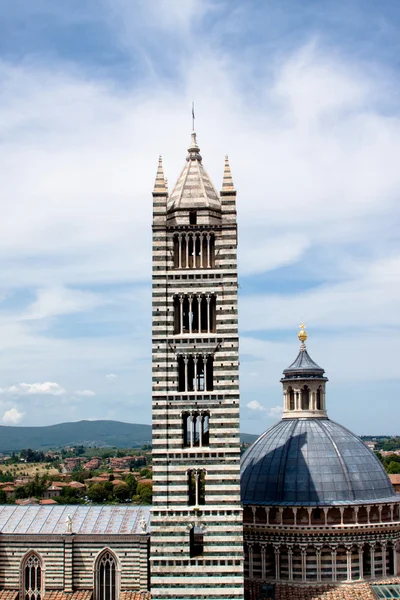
(267,509)
(187,250)
(380,512)
(392,512)
(195,359)
(185,360)
(201,239)
(348,555)
(181,298)
(208,298)
(303,563)
(263,564)
(199,311)
(277,562)
(290,562)
(318,548)
(361,560)
(280,515)
(179,251)
(253,510)
(356,508)
(295,515)
(333,556)
(326,509)
(372,546)
(309,510)
(208,251)
(368,512)
(384,569)
(190,297)
(341,508)
(394,558)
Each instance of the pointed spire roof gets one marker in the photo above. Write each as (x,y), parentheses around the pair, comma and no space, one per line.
(160,187)
(194,188)
(227,182)
(304,366)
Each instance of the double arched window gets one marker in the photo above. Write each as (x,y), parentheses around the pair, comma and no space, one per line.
(107,576)
(32,577)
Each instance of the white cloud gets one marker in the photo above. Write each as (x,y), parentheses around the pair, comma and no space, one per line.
(34,389)
(254,405)
(12,416)
(275,411)
(85,393)
(111,377)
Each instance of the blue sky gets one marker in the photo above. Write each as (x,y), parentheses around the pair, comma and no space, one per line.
(303,96)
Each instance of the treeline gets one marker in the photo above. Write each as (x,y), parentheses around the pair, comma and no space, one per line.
(390,462)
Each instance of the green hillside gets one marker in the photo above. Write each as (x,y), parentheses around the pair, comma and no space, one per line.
(83,433)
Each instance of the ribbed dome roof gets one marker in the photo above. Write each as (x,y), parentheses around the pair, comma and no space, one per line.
(312,462)
(303,366)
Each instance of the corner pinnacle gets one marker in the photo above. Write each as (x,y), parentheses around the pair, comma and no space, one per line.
(227,182)
(160,187)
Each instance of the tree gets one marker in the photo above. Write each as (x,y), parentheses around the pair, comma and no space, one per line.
(121,492)
(131,482)
(97,493)
(393,467)
(145,490)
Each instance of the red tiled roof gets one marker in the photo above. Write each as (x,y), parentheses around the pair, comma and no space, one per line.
(395,478)
(356,591)
(132,595)
(9,594)
(61,595)
(48,501)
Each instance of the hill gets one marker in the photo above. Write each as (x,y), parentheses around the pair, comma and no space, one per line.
(100,434)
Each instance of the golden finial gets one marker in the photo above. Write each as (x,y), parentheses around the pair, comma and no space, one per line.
(302,335)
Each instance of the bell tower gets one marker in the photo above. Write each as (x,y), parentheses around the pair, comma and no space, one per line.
(196,524)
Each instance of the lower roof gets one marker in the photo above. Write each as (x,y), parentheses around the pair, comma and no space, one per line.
(86,520)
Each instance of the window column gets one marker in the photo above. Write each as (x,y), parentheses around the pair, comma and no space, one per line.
(361,560)
(250,550)
(208,298)
(201,417)
(384,569)
(208,250)
(333,556)
(205,361)
(372,546)
(195,359)
(303,564)
(318,557)
(277,562)
(199,311)
(179,251)
(181,298)
(186,360)
(394,558)
(290,562)
(348,556)
(187,250)
(263,565)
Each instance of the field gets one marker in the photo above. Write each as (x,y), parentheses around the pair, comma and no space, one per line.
(29,469)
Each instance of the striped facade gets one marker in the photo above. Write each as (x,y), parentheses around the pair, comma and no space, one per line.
(196,521)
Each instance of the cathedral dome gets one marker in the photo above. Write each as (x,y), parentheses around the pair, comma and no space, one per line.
(306,458)
(312,462)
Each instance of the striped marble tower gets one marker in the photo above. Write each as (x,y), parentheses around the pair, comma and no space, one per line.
(197,531)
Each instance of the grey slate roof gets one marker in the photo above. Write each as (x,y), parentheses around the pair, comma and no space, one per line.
(303,366)
(89,520)
(312,462)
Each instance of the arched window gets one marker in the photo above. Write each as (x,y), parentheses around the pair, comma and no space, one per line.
(305,398)
(106,586)
(32,577)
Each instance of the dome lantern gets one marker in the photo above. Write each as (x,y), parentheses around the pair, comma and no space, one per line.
(304,385)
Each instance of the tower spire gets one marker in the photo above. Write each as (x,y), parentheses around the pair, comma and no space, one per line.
(227,182)
(160,187)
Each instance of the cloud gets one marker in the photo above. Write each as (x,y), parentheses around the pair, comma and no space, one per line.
(85,393)
(111,377)
(12,416)
(254,405)
(275,411)
(49,388)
